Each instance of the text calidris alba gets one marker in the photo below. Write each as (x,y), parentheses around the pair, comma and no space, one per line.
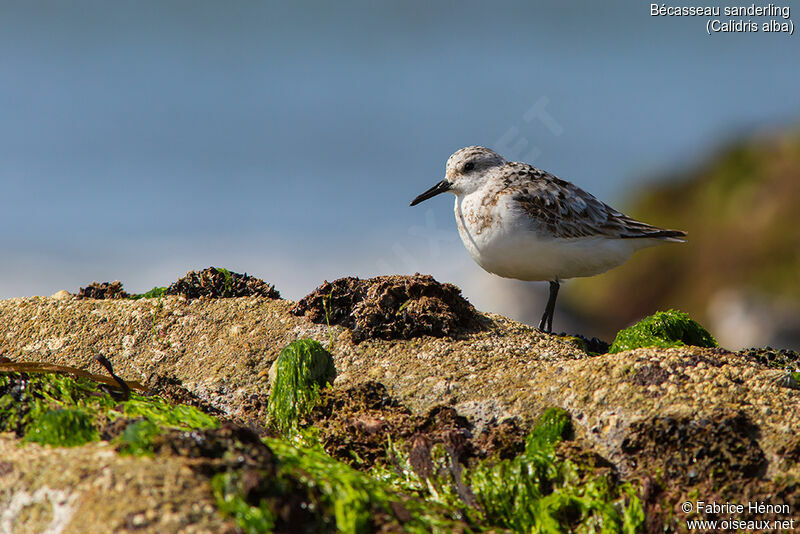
(520,222)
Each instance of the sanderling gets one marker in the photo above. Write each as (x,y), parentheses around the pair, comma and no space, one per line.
(521,222)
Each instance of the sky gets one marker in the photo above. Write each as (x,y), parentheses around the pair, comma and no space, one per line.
(141,140)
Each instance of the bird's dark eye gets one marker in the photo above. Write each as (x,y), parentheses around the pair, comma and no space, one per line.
(468,166)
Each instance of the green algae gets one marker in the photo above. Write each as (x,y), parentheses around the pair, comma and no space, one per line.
(354,498)
(299,483)
(535,492)
(538,491)
(26,402)
(439,488)
(155,293)
(663,330)
(166,415)
(334,497)
(62,428)
(139,437)
(232,502)
(301,370)
(62,410)
(553,425)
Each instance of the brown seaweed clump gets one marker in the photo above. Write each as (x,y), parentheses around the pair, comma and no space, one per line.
(221,283)
(106,290)
(355,423)
(390,307)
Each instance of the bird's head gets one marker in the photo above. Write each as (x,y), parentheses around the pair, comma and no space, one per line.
(465,172)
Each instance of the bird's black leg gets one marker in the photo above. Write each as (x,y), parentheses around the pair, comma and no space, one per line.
(546,324)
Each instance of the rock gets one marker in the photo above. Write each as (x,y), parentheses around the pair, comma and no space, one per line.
(683,418)
(736,275)
(61,295)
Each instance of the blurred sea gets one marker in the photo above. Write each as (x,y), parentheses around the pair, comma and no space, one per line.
(139,140)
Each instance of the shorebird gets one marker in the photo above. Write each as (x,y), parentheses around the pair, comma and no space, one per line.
(517,221)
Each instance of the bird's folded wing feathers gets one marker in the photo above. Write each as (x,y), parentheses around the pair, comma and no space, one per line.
(567,211)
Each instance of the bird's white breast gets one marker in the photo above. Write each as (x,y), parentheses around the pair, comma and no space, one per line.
(503,240)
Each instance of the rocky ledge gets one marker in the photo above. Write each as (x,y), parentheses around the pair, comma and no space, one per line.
(433,416)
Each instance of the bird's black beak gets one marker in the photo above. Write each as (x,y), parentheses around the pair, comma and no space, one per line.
(441,187)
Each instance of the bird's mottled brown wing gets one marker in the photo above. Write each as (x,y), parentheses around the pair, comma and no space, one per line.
(565,210)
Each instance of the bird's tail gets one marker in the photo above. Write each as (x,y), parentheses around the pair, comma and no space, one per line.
(665,235)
